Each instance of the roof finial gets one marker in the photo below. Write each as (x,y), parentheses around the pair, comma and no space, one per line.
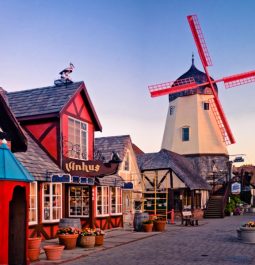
(192,58)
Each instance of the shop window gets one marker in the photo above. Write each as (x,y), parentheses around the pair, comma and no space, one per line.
(102,201)
(127,162)
(33,204)
(197,200)
(78,201)
(185,134)
(52,202)
(77,139)
(116,204)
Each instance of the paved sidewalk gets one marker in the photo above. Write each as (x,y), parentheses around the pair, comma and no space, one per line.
(113,238)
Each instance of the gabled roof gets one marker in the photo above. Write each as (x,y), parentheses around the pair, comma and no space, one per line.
(109,144)
(180,165)
(37,162)
(48,100)
(11,168)
(11,127)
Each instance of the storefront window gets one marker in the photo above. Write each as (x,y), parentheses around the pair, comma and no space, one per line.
(116,204)
(52,205)
(102,201)
(33,203)
(77,139)
(78,201)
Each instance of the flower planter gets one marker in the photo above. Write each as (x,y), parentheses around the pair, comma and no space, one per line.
(99,240)
(53,252)
(34,242)
(69,240)
(246,234)
(147,227)
(159,226)
(88,241)
(33,254)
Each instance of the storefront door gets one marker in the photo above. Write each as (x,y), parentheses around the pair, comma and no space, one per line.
(17,227)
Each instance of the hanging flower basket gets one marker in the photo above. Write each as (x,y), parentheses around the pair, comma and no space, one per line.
(53,252)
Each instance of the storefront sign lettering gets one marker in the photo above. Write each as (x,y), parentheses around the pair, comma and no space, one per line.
(73,166)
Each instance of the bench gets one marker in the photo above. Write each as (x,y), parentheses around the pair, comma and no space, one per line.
(186,217)
(191,218)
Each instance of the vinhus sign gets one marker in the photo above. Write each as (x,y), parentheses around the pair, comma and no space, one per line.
(89,168)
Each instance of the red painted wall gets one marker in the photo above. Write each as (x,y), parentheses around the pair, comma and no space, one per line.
(7,188)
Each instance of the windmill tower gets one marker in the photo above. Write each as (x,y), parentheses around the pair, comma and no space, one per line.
(196,125)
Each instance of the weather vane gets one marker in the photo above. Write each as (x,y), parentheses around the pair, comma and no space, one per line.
(64,75)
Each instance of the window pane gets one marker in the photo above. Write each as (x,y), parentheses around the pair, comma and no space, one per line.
(185,134)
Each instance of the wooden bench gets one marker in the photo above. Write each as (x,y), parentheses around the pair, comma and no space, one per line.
(191,218)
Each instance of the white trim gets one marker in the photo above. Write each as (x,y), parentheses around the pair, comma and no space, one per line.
(35,202)
(102,200)
(50,207)
(87,136)
(118,200)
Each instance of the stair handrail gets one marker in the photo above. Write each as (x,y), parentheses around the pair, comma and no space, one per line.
(225,198)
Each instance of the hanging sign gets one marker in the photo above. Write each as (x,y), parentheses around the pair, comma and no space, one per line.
(236,188)
(89,168)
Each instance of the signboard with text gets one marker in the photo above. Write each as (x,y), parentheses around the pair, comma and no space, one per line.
(235,188)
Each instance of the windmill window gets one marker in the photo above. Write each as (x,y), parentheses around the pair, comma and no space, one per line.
(171,110)
(206,106)
(185,134)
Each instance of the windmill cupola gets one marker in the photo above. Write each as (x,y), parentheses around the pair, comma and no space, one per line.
(200,77)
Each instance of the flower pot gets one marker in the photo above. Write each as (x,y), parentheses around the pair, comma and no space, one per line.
(34,242)
(99,240)
(246,234)
(159,226)
(147,227)
(69,240)
(53,252)
(33,254)
(88,241)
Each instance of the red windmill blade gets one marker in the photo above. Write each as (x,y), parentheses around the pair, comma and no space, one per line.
(189,83)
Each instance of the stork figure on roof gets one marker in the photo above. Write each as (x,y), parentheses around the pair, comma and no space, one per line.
(64,74)
(196,125)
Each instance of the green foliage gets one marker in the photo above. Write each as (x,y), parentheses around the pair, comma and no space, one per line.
(234,201)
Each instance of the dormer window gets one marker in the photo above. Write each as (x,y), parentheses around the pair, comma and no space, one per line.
(77,139)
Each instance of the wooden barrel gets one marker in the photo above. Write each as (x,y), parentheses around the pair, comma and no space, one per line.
(73,222)
(138,221)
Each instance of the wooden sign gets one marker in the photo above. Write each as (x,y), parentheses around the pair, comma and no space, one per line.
(89,168)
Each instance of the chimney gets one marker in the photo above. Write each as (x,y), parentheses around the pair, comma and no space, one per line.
(4,95)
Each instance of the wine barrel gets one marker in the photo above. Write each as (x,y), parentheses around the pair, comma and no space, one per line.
(73,222)
(138,221)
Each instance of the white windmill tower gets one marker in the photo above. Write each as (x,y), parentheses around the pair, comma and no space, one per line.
(196,125)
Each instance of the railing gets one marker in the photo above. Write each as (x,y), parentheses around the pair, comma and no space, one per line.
(225,197)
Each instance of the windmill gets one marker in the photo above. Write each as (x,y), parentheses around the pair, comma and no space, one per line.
(206,142)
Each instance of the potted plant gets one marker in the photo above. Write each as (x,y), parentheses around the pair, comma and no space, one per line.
(99,239)
(68,236)
(147,225)
(53,252)
(34,244)
(159,224)
(88,238)
(246,232)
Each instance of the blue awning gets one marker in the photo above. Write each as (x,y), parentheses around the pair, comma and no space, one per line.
(11,168)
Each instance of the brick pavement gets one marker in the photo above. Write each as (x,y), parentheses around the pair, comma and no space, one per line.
(214,241)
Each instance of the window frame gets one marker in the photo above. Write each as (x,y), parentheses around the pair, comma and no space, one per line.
(51,207)
(126,162)
(118,201)
(206,105)
(184,135)
(83,198)
(34,222)
(79,145)
(103,204)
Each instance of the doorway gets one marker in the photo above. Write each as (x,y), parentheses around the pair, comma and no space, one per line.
(17,227)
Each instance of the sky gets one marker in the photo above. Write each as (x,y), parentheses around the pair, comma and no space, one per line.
(118,48)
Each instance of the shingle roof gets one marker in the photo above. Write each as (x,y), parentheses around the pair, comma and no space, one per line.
(36,161)
(11,127)
(107,145)
(42,100)
(180,165)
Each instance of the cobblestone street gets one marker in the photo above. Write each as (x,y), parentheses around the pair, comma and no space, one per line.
(214,241)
